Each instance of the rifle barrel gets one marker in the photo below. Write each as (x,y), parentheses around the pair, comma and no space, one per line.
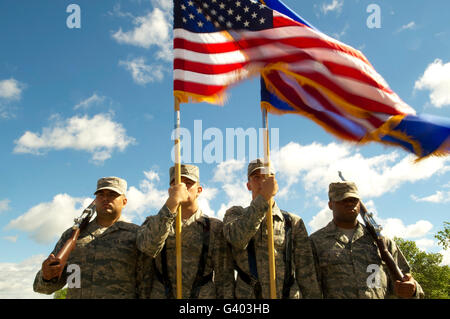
(80,223)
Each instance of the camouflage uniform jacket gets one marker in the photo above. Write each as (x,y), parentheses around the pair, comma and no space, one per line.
(243,224)
(158,232)
(344,270)
(111,266)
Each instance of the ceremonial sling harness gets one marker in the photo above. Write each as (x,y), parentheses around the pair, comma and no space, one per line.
(252,278)
(200,280)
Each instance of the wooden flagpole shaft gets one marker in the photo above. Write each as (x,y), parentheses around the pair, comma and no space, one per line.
(178,218)
(269,218)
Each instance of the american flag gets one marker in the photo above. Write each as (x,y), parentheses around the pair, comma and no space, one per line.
(349,99)
(218,43)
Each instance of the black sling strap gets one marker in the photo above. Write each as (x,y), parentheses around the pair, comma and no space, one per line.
(252,278)
(249,280)
(287,256)
(163,277)
(199,280)
(252,258)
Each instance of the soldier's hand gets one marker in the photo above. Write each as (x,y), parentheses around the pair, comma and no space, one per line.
(405,288)
(50,271)
(269,187)
(178,193)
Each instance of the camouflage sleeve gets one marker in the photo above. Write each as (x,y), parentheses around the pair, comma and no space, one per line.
(404,267)
(153,233)
(50,286)
(241,224)
(305,267)
(223,266)
(144,276)
(316,263)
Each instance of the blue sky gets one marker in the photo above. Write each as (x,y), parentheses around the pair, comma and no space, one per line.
(77,104)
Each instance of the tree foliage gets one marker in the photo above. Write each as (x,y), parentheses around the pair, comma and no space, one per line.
(443,236)
(426,269)
(60,294)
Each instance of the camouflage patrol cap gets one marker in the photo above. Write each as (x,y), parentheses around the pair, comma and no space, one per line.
(113,183)
(255,165)
(342,190)
(189,171)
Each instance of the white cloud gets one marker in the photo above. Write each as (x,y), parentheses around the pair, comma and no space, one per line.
(4,205)
(340,35)
(153,29)
(46,222)
(446,257)
(436,79)
(237,195)
(16,279)
(226,172)
(143,73)
(321,219)
(10,92)
(204,200)
(151,176)
(438,197)
(335,5)
(98,135)
(10,89)
(374,176)
(12,239)
(90,101)
(391,227)
(164,5)
(291,170)
(424,243)
(146,199)
(408,26)
(5,112)
(394,227)
(117,12)
(232,175)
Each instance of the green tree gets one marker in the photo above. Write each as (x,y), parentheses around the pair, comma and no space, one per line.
(426,269)
(444,236)
(60,294)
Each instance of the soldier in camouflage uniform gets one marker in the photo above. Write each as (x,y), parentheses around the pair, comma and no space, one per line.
(349,261)
(110,264)
(207,270)
(245,229)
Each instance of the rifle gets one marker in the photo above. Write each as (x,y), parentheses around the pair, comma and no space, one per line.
(80,224)
(375,231)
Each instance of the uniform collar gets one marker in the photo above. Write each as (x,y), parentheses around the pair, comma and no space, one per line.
(99,231)
(194,218)
(331,230)
(276,212)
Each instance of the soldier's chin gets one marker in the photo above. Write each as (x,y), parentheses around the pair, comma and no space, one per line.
(105,212)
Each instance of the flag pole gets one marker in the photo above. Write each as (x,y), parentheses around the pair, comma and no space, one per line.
(269,219)
(178,181)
